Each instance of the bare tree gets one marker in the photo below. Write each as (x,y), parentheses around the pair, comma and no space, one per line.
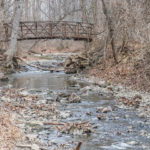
(110,29)
(14,34)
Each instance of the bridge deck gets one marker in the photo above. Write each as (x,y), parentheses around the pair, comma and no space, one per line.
(51,30)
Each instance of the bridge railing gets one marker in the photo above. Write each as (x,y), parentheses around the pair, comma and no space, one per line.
(51,30)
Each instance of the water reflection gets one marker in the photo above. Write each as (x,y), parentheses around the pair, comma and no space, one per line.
(40,80)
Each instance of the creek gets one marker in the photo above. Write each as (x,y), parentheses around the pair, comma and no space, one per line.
(120,129)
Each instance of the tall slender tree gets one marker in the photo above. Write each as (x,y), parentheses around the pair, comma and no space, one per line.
(13,43)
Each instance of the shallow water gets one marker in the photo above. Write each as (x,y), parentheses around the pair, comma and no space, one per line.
(120,131)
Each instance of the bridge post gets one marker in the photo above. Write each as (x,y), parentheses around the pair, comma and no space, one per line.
(21,29)
(51,29)
(78,30)
(65,30)
(36,28)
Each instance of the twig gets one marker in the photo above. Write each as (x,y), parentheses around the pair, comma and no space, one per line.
(24,146)
(54,123)
(78,146)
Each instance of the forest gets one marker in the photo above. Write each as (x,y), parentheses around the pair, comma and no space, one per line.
(74,74)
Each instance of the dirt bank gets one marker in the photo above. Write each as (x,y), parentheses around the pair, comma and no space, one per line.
(132,70)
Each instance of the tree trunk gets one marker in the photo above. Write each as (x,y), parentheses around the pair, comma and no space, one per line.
(14,34)
(110,30)
(83,9)
(1,20)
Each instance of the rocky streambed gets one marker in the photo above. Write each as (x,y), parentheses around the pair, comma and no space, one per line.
(56,111)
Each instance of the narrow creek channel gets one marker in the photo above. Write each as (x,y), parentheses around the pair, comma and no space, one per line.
(117,129)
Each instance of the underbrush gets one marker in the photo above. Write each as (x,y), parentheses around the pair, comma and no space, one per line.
(133,68)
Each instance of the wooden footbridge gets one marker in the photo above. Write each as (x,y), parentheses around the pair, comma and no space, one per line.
(51,30)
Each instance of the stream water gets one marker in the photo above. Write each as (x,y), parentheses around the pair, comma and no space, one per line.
(121,129)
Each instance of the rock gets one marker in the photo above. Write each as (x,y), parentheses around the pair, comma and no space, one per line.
(68,98)
(89,113)
(142,115)
(65,114)
(62,96)
(31,137)
(63,100)
(75,63)
(76,131)
(137,97)
(119,133)
(35,147)
(68,61)
(3,77)
(5,99)
(130,102)
(36,125)
(132,143)
(104,110)
(74,98)
(99,109)
(2,51)
(43,101)
(101,117)
(85,89)
(110,88)
(24,93)
(107,109)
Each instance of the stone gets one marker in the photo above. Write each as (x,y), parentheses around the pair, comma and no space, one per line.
(36,125)
(142,115)
(42,101)
(104,110)
(107,109)
(99,109)
(75,63)
(31,137)
(5,99)
(3,77)
(74,98)
(24,93)
(35,147)
(101,117)
(65,114)
(63,100)
(85,89)
(137,97)
(132,143)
